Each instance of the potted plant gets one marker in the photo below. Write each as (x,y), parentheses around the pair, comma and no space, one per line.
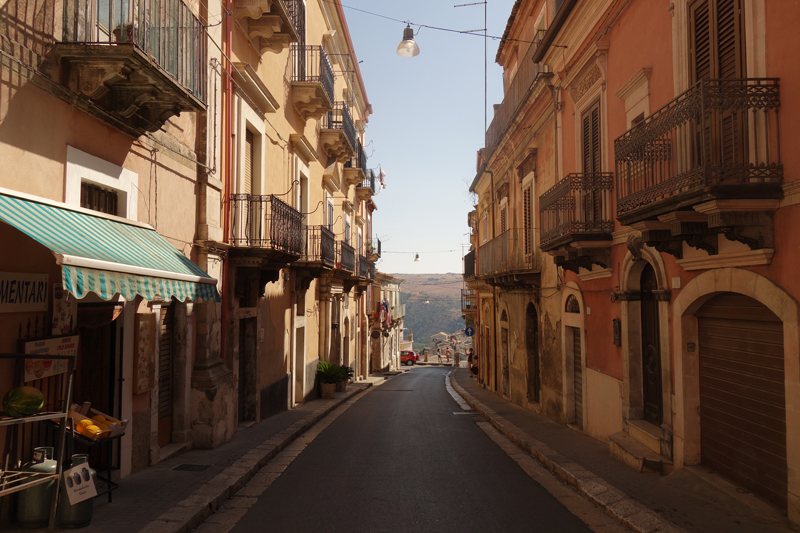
(347,374)
(329,375)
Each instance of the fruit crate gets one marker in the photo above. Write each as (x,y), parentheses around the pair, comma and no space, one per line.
(86,412)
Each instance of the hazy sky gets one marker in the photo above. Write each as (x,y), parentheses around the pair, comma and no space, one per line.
(428,123)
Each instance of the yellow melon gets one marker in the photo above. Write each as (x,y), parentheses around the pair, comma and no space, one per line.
(99,418)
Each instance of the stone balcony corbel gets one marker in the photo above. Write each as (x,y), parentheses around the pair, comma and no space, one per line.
(748,221)
(335,144)
(269,24)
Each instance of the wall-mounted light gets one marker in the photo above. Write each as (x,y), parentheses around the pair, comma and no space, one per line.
(408,47)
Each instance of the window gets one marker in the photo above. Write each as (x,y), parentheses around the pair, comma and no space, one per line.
(715,32)
(592,163)
(99,199)
(485,228)
(247,171)
(527,220)
(347,231)
(503,219)
(330,215)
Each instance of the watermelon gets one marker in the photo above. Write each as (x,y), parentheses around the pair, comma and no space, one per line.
(23,401)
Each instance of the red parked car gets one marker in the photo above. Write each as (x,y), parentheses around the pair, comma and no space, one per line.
(408,357)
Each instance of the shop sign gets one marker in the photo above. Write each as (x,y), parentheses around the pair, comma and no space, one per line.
(22,292)
(79,484)
(42,368)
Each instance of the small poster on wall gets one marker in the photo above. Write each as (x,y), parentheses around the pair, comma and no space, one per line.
(145,355)
(42,368)
(79,483)
(65,311)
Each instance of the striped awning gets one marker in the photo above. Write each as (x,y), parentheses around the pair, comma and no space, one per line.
(108,256)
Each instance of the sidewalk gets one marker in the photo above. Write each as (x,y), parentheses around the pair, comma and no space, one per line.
(177,494)
(689,498)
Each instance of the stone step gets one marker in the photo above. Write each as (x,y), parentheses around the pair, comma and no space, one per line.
(633,453)
(646,433)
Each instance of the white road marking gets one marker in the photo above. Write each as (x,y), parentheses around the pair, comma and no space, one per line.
(456,396)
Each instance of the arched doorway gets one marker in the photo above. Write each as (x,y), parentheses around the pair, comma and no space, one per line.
(532,348)
(651,352)
(742,394)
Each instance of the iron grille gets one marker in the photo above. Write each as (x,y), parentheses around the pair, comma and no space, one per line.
(579,204)
(505,255)
(339,118)
(469,300)
(165,30)
(363,267)
(359,160)
(266,222)
(369,181)
(311,65)
(320,246)
(297,15)
(721,133)
(347,257)
(469,265)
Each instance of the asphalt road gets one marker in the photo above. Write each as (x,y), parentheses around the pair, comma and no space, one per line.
(400,460)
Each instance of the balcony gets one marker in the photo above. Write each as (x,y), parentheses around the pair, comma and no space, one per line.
(363,267)
(705,164)
(469,266)
(374,250)
(346,257)
(320,249)
(503,261)
(372,271)
(265,225)
(469,301)
(368,187)
(576,220)
(272,24)
(518,92)
(338,134)
(133,63)
(312,81)
(355,170)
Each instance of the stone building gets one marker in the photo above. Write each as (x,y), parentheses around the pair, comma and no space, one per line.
(631,272)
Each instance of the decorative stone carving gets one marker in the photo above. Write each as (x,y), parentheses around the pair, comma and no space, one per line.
(310,100)
(269,25)
(635,245)
(588,81)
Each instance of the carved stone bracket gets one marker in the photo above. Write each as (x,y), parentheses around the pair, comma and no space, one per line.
(310,100)
(746,221)
(336,145)
(584,258)
(269,27)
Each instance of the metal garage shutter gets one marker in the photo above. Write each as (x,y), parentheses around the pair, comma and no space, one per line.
(742,399)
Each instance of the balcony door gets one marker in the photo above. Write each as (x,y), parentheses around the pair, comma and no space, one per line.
(716,52)
(651,348)
(592,201)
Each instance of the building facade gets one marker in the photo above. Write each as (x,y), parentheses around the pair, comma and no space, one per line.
(186,201)
(631,270)
(386,323)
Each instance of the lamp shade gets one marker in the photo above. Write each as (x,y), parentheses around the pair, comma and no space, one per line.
(408,47)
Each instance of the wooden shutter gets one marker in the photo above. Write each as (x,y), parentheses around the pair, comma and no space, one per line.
(165,363)
(503,220)
(715,31)
(248,162)
(526,220)
(592,199)
(577,360)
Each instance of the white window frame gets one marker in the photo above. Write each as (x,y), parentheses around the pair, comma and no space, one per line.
(85,168)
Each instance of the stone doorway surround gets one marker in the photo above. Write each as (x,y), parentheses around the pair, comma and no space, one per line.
(632,386)
(687,389)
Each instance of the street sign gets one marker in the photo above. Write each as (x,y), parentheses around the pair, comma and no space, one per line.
(469,332)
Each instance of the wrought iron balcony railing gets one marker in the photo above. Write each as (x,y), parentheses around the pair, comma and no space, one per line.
(577,208)
(469,300)
(266,222)
(372,271)
(166,31)
(320,246)
(311,65)
(297,14)
(469,265)
(339,118)
(359,160)
(721,138)
(363,267)
(505,254)
(369,181)
(346,259)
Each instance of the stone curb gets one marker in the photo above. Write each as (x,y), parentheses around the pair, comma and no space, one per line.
(616,503)
(202,503)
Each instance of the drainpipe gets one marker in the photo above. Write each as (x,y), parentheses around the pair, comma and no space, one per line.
(228,169)
(494,290)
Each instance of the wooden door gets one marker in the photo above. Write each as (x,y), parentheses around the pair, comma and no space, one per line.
(577,362)
(166,374)
(532,346)
(651,348)
(505,363)
(742,394)
(247,353)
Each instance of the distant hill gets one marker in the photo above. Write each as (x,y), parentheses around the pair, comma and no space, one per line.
(442,313)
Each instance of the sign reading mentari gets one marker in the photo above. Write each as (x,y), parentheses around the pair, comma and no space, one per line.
(22,292)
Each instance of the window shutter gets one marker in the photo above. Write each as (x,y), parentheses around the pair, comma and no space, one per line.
(716,39)
(700,35)
(248,162)
(503,220)
(592,162)
(526,220)
(729,40)
(165,360)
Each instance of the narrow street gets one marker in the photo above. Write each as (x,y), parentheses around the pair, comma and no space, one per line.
(402,457)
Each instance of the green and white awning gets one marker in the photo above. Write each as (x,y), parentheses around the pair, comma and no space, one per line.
(108,256)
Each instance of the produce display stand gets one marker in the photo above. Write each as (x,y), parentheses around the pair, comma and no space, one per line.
(86,441)
(14,480)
